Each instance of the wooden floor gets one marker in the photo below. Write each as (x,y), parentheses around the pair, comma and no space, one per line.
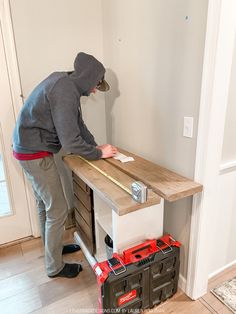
(25,288)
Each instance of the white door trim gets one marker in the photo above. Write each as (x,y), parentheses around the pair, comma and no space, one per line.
(11,57)
(219,45)
(16,93)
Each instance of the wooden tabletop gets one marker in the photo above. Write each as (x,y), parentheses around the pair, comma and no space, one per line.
(168,184)
(118,199)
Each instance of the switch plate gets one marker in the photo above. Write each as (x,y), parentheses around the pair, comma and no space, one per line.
(188,127)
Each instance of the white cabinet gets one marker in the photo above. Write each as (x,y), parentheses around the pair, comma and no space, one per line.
(126,230)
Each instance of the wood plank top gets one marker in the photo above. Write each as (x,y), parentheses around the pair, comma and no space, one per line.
(118,199)
(168,184)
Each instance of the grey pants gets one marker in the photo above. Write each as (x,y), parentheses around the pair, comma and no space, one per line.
(52,208)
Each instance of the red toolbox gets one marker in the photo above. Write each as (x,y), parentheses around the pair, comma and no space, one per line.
(142,277)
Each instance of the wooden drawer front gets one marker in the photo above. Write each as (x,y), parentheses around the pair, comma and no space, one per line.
(82,196)
(81,183)
(86,214)
(88,230)
(89,244)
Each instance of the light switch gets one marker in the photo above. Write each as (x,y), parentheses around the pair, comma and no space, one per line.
(188,127)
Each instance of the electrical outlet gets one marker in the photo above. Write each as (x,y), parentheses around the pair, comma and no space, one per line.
(188,127)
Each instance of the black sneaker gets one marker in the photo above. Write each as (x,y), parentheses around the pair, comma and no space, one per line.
(70,248)
(69,271)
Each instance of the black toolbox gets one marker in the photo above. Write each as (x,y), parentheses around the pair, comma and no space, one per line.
(140,278)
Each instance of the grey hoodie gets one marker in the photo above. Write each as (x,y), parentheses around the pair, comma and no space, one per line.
(51,116)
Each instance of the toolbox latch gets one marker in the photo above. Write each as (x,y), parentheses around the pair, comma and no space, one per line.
(161,243)
(116,265)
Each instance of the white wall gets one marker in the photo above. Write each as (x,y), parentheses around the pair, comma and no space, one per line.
(154,50)
(223,231)
(222,226)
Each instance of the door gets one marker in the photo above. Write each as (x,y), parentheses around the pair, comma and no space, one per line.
(14,212)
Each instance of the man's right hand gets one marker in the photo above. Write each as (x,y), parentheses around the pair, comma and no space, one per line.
(108,150)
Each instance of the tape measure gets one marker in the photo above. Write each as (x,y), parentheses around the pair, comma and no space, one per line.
(138,192)
(107,176)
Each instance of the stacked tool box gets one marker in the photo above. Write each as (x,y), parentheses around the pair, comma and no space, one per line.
(140,278)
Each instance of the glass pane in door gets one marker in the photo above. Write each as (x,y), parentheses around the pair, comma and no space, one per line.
(4,198)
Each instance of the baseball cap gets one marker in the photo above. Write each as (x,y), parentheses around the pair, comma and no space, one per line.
(102,85)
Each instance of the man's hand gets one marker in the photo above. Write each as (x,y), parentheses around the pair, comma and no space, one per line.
(107,150)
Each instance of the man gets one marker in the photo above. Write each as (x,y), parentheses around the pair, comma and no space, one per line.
(51,118)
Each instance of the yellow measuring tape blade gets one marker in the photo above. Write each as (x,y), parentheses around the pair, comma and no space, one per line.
(107,176)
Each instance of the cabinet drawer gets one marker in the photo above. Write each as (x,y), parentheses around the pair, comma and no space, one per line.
(89,244)
(88,230)
(83,211)
(84,197)
(81,183)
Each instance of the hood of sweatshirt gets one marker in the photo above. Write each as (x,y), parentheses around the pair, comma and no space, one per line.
(88,71)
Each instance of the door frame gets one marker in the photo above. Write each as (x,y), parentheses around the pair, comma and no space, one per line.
(17,95)
(219,46)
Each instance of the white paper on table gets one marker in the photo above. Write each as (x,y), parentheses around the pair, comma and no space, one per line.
(123,158)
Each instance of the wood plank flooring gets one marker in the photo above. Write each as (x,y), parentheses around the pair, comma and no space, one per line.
(25,287)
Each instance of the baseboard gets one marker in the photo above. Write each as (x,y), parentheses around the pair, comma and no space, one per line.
(4,245)
(182,283)
(221,269)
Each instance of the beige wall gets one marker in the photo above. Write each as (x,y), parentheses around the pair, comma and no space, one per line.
(48,36)
(229,144)
(154,50)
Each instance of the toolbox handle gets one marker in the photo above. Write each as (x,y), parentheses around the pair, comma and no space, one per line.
(141,249)
(131,255)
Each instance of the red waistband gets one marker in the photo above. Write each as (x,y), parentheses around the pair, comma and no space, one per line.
(20,156)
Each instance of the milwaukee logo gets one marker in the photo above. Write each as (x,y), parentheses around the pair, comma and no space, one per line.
(127,297)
